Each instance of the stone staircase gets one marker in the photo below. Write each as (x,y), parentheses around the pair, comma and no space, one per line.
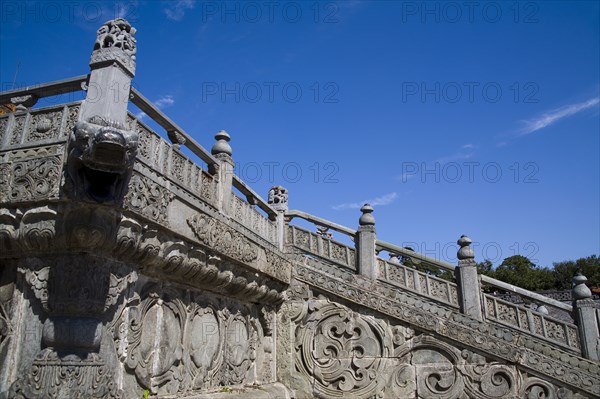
(130,269)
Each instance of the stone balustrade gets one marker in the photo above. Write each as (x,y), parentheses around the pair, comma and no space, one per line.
(129,266)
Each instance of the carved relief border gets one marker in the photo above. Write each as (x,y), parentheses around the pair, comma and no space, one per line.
(54,229)
(340,353)
(503,343)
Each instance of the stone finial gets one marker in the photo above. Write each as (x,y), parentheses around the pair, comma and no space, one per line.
(465,253)
(580,289)
(366,219)
(115,42)
(278,198)
(222,145)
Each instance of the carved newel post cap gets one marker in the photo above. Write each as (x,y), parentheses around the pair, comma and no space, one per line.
(278,198)
(366,219)
(222,145)
(115,43)
(580,290)
(465,252)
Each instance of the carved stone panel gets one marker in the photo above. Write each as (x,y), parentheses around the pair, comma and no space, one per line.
(341,353)
(175,342)
(44,126)
(222,238)
(148,198)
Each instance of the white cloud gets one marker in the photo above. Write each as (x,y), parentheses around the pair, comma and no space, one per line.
(176,10)
(456,157)
(555,115)
(164,101)
(379,201)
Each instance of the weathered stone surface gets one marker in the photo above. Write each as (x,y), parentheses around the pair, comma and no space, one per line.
(127,270)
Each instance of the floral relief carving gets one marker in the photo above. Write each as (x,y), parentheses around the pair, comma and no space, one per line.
(278,266)
(487,337)
(207,187)
(507,313)
(155,343)
(44,126)
(344,352)
(55,378)
(178,164)
(222,238)
(17,129)
(148,198)
(5,177)
(144,141)
(33,179)
(175,345)
(438,289)
(72,116)
(3,127)
(340,354)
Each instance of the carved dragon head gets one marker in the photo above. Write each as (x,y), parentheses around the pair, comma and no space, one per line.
(100,160)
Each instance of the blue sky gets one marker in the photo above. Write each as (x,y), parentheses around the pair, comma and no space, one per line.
(477,118)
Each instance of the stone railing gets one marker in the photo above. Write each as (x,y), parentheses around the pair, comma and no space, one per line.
(467,294)
(322,246)
(535,322)
(214,184)
(414,280)
(219,174)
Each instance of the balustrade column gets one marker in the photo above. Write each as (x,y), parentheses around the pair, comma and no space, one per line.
(365,244)
(222,151)
(112,67)
(278,199)
(586,318)
(469,288)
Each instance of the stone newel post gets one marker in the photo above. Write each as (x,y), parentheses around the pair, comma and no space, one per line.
(112,69)
(365,244)
(469,289)
(222,151)
(586,318)
(278,199)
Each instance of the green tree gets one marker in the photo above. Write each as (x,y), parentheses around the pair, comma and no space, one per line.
(520,271)
(563,272)
(485,267)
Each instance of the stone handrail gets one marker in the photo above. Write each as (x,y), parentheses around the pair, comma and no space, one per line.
(57,87)
(379,244)
(317,221)
(538,298)
(176,134)
(391,248)
(179,136)
(252,197)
